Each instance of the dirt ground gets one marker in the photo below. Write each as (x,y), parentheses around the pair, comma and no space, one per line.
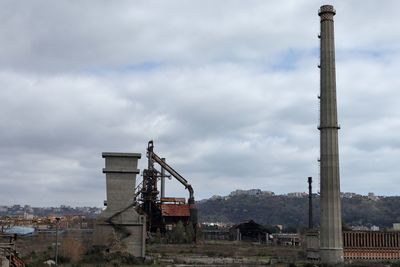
(209,253)
(35,249)
(224,253)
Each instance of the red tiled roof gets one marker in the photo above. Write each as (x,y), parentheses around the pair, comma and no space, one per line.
(175,210)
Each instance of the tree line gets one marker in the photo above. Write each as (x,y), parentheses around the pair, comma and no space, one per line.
(293,212)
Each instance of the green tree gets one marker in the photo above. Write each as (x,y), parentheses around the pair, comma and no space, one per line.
(199,234)
(157,238)
(189,233)
(178,233)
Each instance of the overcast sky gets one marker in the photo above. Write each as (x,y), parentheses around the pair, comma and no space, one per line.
(226,89)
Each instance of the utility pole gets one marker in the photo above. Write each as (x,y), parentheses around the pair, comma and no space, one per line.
(310,206)
(57,225)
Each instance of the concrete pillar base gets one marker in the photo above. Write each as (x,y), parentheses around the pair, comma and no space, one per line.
(331,256)
(311,245)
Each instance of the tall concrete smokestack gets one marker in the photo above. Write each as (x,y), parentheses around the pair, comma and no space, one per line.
(331,244)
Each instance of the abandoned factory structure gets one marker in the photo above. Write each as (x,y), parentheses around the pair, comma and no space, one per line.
(133,210)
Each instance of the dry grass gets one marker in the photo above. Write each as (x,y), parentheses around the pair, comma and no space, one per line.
(225,249)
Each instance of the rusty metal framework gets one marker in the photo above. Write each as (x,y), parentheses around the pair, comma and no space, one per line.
(8,251)
(161,211)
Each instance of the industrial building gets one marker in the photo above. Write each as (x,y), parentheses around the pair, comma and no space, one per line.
(361,245)
(371,245)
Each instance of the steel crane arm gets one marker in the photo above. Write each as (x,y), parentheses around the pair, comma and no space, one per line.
(175,174)
(154,157)
(169,169)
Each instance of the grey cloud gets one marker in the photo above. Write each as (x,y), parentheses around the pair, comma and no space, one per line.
(227,90)
(48,36)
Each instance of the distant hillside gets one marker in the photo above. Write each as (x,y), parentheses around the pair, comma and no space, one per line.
(293,212)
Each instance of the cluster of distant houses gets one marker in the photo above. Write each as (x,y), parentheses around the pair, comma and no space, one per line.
(259,192)
(23,226)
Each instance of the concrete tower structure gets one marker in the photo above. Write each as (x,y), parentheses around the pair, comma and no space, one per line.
(331,244)
(120,227)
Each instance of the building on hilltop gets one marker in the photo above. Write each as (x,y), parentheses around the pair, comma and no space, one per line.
(371,196)
(297,194)
(250,192)
(267,193)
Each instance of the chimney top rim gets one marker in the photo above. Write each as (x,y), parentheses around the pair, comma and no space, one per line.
(326,9)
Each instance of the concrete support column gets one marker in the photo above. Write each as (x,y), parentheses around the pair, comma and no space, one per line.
(383,240)
(378,243)
(372,240)
(365,240)
(357,240)
(379,240)
(394,240)
(386,236)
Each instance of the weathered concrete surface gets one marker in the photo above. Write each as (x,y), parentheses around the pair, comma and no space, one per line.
(120,227)
(4,262)
(311,244)
(331,244)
